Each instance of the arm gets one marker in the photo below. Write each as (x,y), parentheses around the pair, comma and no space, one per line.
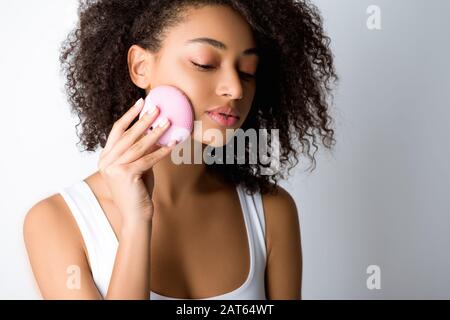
(55,249)
(130,278)
(56,255)
(284,254)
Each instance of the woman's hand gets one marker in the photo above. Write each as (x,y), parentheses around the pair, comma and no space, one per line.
(127,155)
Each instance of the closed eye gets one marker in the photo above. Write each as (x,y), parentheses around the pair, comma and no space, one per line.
(246,76)
(203,66)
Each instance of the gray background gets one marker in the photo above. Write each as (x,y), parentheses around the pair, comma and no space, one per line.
(380,198)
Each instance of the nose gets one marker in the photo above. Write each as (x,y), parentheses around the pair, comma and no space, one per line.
(230,85)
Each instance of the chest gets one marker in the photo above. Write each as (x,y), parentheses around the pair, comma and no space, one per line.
(198,250)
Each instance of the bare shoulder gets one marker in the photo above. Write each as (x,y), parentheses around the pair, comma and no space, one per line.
(281,199)
(281,214)
(50,217)
(49,224)
(54,246)
(284,254)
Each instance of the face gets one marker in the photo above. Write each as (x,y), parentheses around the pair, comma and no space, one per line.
(212,73)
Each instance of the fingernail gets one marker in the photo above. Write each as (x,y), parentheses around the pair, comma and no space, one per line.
(153,111)
(172,143)
(139,103)
(164,123)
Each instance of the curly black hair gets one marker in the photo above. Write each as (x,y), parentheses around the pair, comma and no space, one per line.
(294,75)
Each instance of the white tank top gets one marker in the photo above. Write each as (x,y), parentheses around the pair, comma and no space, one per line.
(101,242)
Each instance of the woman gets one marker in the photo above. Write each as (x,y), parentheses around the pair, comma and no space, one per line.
(143,227)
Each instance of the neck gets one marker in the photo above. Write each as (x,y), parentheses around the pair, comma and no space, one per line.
(174,181)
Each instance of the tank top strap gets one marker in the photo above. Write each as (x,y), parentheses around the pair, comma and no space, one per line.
(253,208)
(99,239)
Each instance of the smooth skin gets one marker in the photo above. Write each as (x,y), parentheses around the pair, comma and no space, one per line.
(185,236)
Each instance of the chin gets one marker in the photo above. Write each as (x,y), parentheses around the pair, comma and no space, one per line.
(212,134)
(214,144)
(215,141)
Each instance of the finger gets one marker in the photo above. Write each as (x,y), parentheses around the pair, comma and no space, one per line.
(130,137)
(122,124)
(146,162)
(141,147)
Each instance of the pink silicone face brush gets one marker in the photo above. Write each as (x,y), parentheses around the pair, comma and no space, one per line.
(175,106)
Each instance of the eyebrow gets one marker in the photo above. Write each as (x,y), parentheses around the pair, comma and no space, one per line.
(222,46)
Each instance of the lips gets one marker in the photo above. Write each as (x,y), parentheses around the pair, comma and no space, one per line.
(223,120)
(226,111)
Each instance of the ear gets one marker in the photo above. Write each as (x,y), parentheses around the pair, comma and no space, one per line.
(140,62)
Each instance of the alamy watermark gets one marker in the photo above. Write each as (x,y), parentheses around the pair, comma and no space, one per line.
(374,19)
(73,281)
(374,280)
(237,151)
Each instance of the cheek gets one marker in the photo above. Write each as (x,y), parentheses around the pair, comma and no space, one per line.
(247,106)
(194,86)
